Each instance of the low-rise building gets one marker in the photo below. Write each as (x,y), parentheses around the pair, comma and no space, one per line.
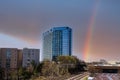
(30,55)
(9,58)
(10,61)
(20,58)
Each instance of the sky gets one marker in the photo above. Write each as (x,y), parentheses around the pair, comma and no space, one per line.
(95,25)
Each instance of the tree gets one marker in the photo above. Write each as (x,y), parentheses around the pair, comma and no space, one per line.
(33,67)
(72,63)
(66,60)
(1,73)
(50,69)
(24,74)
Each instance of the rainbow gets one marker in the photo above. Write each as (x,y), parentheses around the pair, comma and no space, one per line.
(87,44)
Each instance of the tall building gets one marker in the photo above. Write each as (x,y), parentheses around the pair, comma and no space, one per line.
(9,58)
(57,42)
(30,55)
(47,45)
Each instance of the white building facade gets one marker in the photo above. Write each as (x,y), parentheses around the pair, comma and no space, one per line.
(30,55)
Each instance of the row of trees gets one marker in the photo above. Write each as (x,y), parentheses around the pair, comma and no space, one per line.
(63,67)
(73,64)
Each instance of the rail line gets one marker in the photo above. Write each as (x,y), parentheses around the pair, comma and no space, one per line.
(79,76)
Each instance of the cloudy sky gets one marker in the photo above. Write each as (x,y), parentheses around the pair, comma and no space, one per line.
(22,23)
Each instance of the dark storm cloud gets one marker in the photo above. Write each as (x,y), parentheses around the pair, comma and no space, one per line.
(28,19)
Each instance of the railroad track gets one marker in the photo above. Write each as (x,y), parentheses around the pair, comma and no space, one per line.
(79,76)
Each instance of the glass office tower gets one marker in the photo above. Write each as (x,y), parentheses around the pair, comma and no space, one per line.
(57,42)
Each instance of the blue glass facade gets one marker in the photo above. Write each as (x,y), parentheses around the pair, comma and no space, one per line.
(57,42)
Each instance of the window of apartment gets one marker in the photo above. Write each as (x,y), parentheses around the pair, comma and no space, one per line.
(28,59)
